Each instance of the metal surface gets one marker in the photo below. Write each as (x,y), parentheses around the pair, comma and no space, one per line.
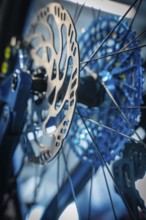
(54,47)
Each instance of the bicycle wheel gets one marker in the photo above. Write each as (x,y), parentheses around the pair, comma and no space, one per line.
(51,109)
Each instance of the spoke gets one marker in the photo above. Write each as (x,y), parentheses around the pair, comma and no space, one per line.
(133,19)
(38,184)
(67,156)
(123,50)
(127,33)
(109,193)
(76,18)
(136,38)
(111,129)
(79,13)
(96,18)
(71,183)
(122,113)
(111,32)
(111,54)
(137,9)
(76,10)
(104,163)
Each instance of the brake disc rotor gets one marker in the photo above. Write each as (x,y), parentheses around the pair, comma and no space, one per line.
(54,51)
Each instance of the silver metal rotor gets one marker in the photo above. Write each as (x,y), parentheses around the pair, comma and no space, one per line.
(53,47)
